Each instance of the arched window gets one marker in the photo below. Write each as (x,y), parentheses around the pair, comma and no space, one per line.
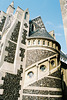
(42,67)
(30,74)
(52,63)
(26,15)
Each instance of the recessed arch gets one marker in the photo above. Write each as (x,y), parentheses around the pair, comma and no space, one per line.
(30,74)
(42,67)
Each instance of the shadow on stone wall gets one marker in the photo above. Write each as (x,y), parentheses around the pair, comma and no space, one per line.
(64,90)
(64,87)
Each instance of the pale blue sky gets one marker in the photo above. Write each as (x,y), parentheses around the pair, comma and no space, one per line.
(50,12)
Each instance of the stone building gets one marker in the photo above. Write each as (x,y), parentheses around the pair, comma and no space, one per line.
(63,5)
(63,59)
(30,64)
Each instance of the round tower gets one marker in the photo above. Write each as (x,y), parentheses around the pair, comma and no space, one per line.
(42,73)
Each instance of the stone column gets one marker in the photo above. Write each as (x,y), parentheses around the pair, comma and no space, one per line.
(46,42)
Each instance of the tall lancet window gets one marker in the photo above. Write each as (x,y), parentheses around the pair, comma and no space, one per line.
(26,15)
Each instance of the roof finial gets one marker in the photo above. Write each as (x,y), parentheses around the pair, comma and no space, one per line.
(12,4)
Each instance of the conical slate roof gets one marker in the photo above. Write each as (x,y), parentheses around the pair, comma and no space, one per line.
(42,33)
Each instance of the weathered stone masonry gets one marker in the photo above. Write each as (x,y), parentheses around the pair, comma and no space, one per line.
(15,33)
(11,52)
(39,98)
(2,23)
(31,61)
(11,86)
(36,55)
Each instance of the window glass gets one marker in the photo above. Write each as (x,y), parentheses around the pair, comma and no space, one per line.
(30,74)
(52,63)
(42,67)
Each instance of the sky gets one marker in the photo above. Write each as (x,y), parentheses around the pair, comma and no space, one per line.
(50,12)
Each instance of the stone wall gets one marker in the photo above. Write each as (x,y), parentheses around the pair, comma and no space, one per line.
(36,55)
(37,23)
(39,98)
(42,92)
(11,86)
(48,82)
(12,46)
(56,74)
(2,23)
(63,4)
(22,53)
(24,36)
(11,52)
(15,33)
